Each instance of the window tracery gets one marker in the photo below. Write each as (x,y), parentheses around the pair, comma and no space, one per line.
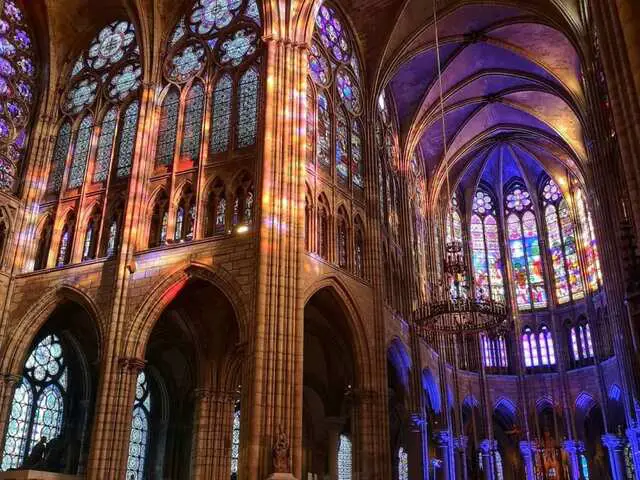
(140,426)
(538,347)
(66,241)
(593,271)
(524,245)
(159,220)
(334,90)
(562,244)
(486,256)
(494,350)
(581,342)
(18,73)
(38,405)
(403,464)
(344,458)
(235,441)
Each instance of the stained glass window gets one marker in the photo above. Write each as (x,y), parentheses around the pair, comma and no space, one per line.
(495,351)
(139,436)
(167,129)
(81,152)
(64,250)
(581,342)
(221,212)
(88,242)
(323,147)
(179,223)
(357,168)
(333,68)
(499,466)
(112,238)
(588,242)
(60,152)
(192,127)
(342,244)
(127,140)
(247,126)
(105,145)
(359,253)
(37,408)
(17,91)
(220,122)
(342,147)
(522,233)
(235,441)
(344,458)
(403,464)
(562,245)
(547,349)
(584,466)
(485,249)
(110,67)
(186,62)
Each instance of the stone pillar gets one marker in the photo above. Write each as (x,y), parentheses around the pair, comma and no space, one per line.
(274,389)
(335,426)
(528,450)
(460,446)
(633,434)
(615,447)
(108,458)
(417,448)
(211,457)
(573,448)
(487,447)
(444,446)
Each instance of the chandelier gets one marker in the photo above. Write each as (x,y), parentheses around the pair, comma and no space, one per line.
(451,309)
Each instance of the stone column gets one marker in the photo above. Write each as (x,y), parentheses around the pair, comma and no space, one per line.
(615,447)
(487,447)
(274,387)
(444,446)
(460,446)
(573,449)
(116,396)
(528,450)
(633,434)
(334,426)
(417,448)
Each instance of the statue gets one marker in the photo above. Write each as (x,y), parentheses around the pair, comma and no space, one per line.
(36,457)
(54,456)
(281,453)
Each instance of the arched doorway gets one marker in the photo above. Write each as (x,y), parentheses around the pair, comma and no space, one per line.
(54,396)
(329,387)
(191,383)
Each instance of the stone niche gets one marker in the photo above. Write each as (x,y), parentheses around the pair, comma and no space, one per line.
(37,475)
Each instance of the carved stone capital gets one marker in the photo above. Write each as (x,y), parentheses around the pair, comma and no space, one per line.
(461,443)
(131,364)
(443,438)
(417,421)
(573,447)
(613,441)
(528,448)
(487,446)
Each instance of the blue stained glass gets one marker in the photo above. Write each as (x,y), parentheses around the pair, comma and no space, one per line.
(125,82)
(219,141)
(81,152)
(235,440)
(187,62)
(127,140)
(139,435)
(6,68)
(247,126)
(344,458)
(319,66)
(323,131)
(332,34)
(239,46)
(357,169)
(111,44)
(167,129)
(81,95)
(192,124)
(211,15)
(403,464)
(342,147)
(105,145)
(253,12)
(37,408)
(59,157)
(349,92)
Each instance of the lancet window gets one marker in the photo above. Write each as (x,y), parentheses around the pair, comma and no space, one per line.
(18,90)
(593,271)
(524,246)
(140,430)
(562,244)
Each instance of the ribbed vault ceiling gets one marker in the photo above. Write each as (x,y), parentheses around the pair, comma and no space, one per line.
(512,89)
